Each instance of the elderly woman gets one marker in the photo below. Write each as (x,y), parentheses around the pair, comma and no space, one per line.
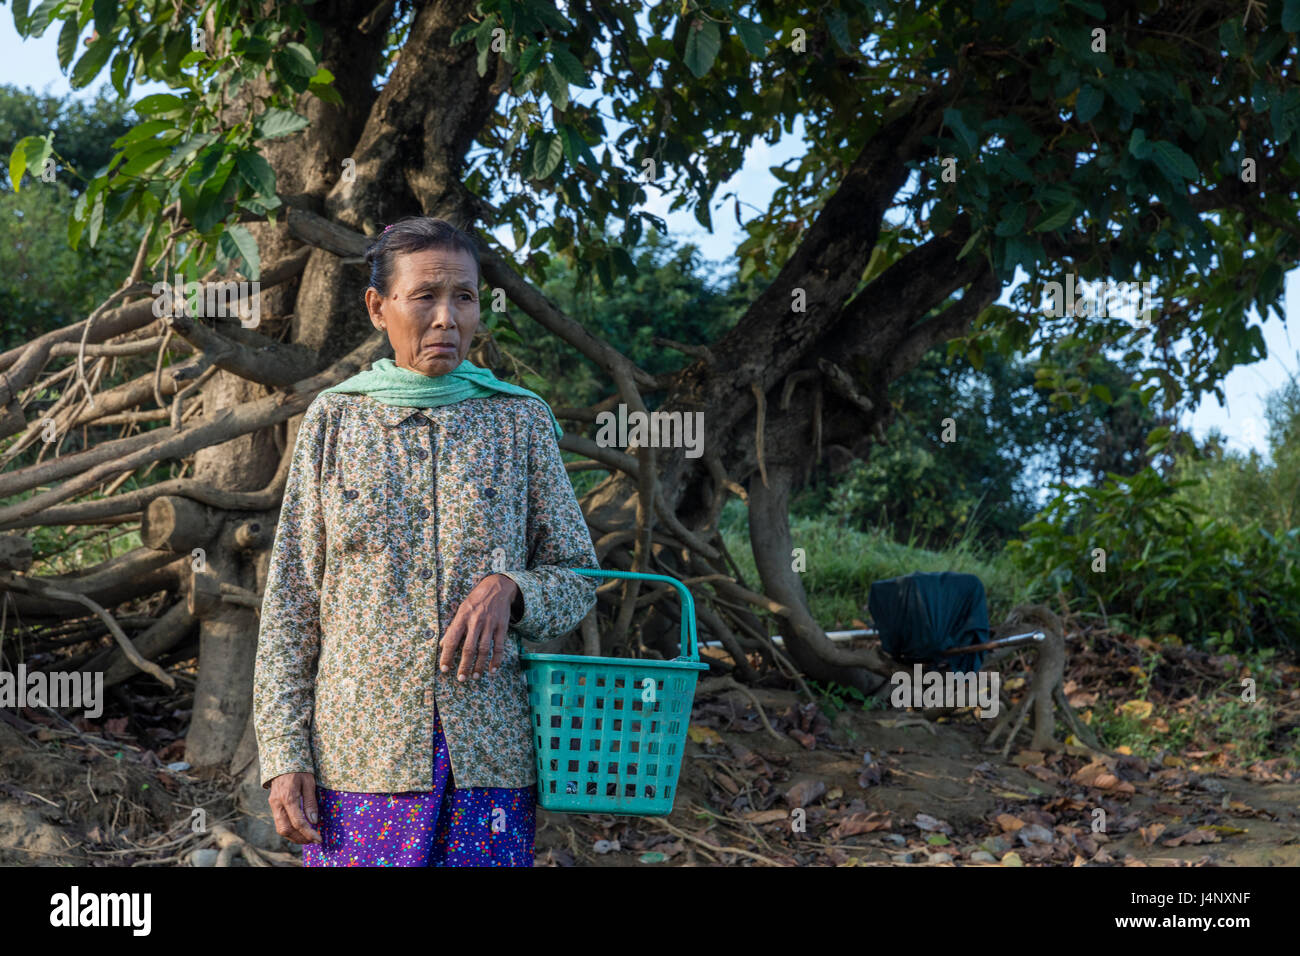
(427,520)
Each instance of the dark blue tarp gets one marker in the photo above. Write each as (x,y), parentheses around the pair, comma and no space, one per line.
(923,613)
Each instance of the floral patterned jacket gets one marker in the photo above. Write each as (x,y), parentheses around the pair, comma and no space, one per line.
(391,515)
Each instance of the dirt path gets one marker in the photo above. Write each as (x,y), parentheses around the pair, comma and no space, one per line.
(928,795)
(931,797)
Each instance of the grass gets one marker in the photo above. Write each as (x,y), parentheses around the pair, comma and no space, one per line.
(1220,721)
(840,565)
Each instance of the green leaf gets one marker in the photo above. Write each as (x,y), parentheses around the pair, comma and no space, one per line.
(68,42)
(753,35)
(529,59)
(20,15)
(142,161)
(623,262)
(1014,223)
(276,122)
(238,242)
(178,43)
(117,72)
(96,219)
(183,152)
(92,62)
(838,27)
(703,42)
(569,66)
(1231,36)
(957,123)
(1176,165)
(40,18)
(1123,94)
(325,92)
(575,147)
(298,59)
(703,215)
(1102,393)
(970,243)
(1088,103)
(551,16)
(18,160)
(547,155)
(1057,218)
(556,86)
(1137,143)
(1291,16)
(257,172)
(160,104)
(463,32)
(105,16)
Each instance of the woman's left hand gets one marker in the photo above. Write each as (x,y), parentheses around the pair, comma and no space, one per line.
(481,623)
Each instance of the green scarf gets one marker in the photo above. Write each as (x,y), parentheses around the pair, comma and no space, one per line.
(387,382)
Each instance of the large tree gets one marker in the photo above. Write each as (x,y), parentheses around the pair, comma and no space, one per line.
(944,146)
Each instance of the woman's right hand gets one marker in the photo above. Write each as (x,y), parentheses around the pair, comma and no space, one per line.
(291,793)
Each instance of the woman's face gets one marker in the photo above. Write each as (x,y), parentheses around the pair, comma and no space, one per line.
(431,310)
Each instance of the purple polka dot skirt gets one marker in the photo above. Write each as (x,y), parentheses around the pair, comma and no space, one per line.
(445,826)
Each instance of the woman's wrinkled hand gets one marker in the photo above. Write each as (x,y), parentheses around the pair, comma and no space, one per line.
(480,624)
(293,805)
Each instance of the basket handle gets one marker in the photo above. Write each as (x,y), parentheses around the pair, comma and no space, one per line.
(688,640)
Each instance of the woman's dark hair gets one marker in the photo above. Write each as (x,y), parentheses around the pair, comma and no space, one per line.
(414,234)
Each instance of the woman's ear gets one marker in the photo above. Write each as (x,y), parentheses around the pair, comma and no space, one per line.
(374,306)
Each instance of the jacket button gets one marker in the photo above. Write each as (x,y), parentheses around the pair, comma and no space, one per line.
(489,492)
(425,573)
(421,454)
(349,492)
(423,512)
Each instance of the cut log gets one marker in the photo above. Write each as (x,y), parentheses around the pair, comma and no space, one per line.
(204,595)
(172,523)
(15,552)
(251,535)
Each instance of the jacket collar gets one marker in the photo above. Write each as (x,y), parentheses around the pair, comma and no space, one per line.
(393,415)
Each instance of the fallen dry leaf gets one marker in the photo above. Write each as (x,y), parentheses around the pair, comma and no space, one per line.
(806,740)
(1028,758)
(1008,823)
(862,823)
(1192,837)
(703,735)
(766,816)
(1152,833)
(932,824)
(805,793)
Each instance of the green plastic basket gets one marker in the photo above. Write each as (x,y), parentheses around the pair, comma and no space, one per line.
(610,731)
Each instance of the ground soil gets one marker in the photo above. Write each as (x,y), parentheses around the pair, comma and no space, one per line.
(815,786)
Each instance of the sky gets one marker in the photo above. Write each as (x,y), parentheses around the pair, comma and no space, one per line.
(34,63)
